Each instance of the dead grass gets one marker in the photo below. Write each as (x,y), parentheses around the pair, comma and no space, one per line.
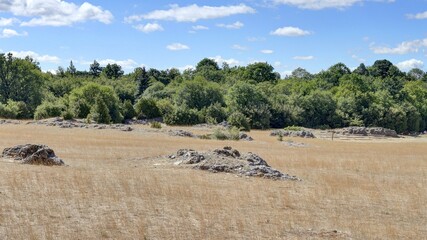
(113,190)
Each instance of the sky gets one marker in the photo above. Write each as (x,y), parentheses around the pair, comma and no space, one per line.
(311,34)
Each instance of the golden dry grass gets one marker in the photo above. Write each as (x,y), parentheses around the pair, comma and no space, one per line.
(112,189)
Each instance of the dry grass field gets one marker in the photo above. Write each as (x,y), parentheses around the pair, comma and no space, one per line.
(113,189)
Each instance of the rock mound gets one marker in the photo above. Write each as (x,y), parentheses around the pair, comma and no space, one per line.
(180,133)
(33,154)
(370,131)
(288,133)
(229,160)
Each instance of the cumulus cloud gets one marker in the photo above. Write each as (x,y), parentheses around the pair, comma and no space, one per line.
(55,12)
(192,13)
(402,48)
(8,33)
(410,64)
(267,51)
(236,25)
(304,58)
(149,27)
(220,60)
(177,47)
(126,64)
(4,22)
(357,58)
(318,4)
(36,56)
(422,15)
(199,27)
(239,47)
(290,32)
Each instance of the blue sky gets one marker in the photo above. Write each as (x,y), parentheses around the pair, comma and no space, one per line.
(163,34)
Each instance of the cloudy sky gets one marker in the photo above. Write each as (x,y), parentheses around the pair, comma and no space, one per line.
(312,34)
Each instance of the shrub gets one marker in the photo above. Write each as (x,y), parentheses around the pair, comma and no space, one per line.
(49,109)
(229,134)
(13,110)
(155,124)
(99,112)
(215,113)
(128,111)
(182,115)
(83,99)
(237,119)
(147,108)
(67,115)
(293,128)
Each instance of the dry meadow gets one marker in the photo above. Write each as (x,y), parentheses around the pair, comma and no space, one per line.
(115,186)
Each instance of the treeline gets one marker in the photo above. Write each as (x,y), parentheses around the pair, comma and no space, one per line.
(252,96)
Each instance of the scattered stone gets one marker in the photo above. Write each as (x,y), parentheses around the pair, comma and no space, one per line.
(287,133)
(33,154)
(245,137)
(229,160)
(180,133)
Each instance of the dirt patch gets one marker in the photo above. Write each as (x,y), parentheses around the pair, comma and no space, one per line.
(33,154)
(231,161)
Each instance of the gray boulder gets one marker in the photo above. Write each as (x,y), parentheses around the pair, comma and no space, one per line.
(33,154)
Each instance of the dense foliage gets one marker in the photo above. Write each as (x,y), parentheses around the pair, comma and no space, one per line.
(252,96)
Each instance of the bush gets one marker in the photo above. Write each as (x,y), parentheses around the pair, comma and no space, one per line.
(215,113)
(82,101)
(155,124)
(182,115)
(67,115)
(293,128)
(237,119)
(147,108)
(13,110)
(99,112)
(230,134)
(128,111)
(49,109)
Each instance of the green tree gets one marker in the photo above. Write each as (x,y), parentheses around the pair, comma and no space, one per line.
(95,69)
(113,71)
(71,69)
(198,93)
(82,99)
(245,98)
(259,72)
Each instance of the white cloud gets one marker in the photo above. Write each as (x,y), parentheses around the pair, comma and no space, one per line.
(357,58)
(277,64)
(304,58)
(422,15)
(220,60)
(125,64)
(267,51)
(55,12)
(177,47)
(149,27)
(192,13)
(290,32)
(36,56)
(199,27)
(402,48)
(239,47)
(186,67)
(256,39)
(4,22)
(318,4)
(8,33)
(236,25)
(410,64)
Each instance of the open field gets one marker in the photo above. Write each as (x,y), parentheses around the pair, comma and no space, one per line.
(112,189)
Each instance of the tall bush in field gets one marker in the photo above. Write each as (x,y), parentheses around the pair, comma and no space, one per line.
(83,100)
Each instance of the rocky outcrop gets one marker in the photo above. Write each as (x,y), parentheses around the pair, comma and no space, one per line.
(288,133)
(33,154)
(229,160)
(370,131)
